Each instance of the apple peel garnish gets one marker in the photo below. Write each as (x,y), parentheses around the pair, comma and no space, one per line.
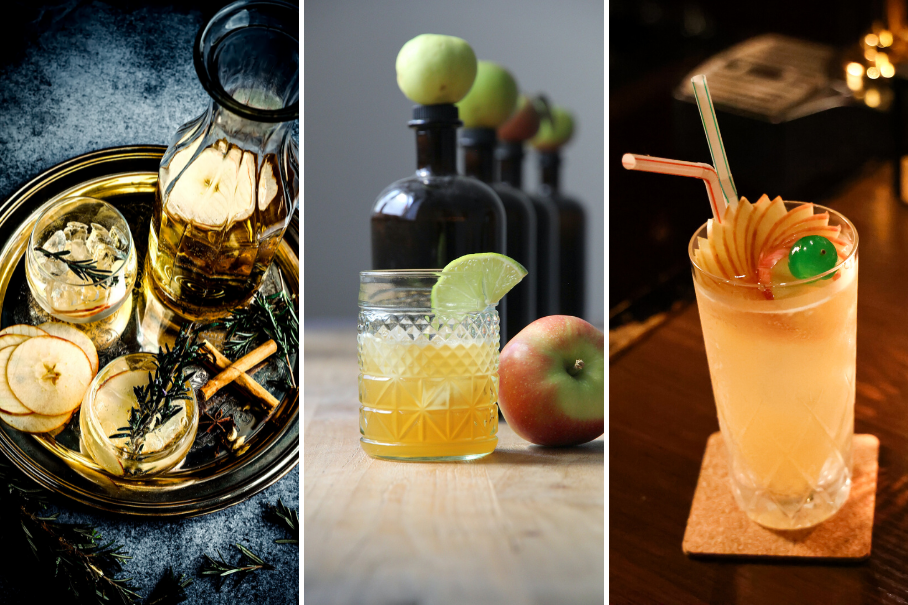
(752,239)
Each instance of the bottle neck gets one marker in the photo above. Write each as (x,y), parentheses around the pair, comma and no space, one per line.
(549,171)
(479,153)
(248,134)
(436,149)
(510,163)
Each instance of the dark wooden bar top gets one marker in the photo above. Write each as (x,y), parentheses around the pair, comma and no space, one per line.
(661,412)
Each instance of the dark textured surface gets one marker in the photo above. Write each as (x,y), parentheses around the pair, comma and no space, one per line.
(89,75)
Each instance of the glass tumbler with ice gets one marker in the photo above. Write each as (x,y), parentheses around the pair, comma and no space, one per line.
(81,260)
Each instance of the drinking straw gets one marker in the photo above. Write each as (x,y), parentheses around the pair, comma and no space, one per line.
(714,139)
(705,172)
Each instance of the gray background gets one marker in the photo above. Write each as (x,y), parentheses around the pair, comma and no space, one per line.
(81,76)
(356,135)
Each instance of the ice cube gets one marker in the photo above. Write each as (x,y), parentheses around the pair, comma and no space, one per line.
(105,256)
(78,250)
(51,266)
(99,235)
(70,277)
(120,240)
(76,231)
(55,242)
(67,298)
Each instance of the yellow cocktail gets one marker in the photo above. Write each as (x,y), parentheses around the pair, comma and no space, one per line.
(422,400)
(428,382)
(781,356)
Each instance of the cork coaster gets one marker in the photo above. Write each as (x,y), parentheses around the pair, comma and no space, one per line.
(717,527)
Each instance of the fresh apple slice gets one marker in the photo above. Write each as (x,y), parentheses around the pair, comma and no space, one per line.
(775,212)
(743,213)
(75,336)
(23,330)
(9,403)
(35,423)
(49,375)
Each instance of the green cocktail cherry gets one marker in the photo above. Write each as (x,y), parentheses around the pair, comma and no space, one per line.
(811,255)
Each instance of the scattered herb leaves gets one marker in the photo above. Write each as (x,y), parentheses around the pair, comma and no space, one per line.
(249,563)
(81,565)
(170,589)
(286,517)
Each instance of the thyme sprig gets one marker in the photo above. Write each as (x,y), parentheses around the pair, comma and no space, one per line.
(84,269)
(271,316)
(287,517)
(74,555)
(159,400)
(249,563)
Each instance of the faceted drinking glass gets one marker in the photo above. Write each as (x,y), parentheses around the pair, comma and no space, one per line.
(782,363)
(428,382)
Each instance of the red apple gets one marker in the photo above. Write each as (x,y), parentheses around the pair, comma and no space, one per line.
(552,389)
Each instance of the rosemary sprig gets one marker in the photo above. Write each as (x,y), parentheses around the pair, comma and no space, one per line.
(84,269)
(271,316)
(286,517)
(170,589)
(221,569)
(159,400)
(73,555)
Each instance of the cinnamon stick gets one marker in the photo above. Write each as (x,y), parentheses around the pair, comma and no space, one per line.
(236,372)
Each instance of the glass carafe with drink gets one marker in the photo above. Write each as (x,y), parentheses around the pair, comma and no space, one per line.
(228,184)
(435,216)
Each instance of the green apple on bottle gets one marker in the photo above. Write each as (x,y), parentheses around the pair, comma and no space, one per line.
(554,132)
(491,100)
(552,388)
(433,69)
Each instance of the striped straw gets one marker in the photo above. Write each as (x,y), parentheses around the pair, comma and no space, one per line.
(705,172)
(714,139)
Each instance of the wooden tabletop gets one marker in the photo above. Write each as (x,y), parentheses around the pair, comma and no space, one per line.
(524,525)
(661,412)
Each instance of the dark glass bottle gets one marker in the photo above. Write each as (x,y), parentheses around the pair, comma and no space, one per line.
(479,162)
(427,220)
(510,164)
(572,236)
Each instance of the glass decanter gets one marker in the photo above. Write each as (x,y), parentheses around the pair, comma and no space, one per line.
(229,182)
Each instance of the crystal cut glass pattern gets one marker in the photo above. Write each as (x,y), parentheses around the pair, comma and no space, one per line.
(428,383)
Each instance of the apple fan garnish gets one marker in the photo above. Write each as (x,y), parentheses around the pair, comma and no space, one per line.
(752,238)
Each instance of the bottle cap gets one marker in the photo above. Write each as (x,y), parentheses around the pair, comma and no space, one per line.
(445,113)
(478,137)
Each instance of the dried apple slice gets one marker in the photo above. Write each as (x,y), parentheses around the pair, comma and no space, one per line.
(9,403)
(11,340)
(75,336)
(23,330)
(49,375)
(35,423)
